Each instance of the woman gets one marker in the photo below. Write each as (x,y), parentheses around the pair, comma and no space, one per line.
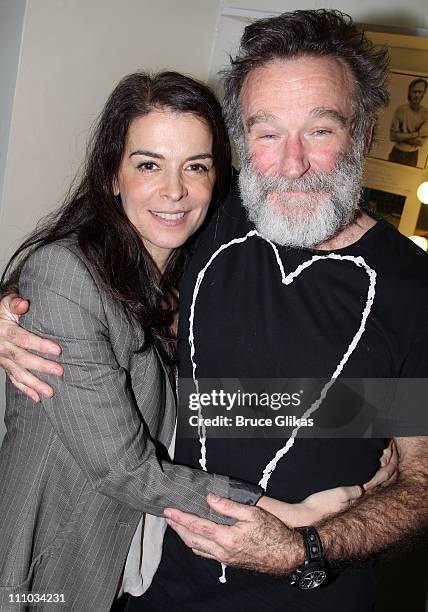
(101,274)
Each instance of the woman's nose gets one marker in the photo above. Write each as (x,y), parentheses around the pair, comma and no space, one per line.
(173,187)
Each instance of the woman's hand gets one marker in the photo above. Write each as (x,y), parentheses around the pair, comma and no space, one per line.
(323,504)
(15,344)
(388,471)
(314,508)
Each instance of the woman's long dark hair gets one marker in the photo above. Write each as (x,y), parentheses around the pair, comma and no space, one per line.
(96,216)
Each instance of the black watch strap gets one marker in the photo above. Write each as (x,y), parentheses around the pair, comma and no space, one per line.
(313,546)
(313,573)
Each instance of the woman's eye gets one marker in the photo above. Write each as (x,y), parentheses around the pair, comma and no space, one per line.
(268,136)
(148,166)
(197,168)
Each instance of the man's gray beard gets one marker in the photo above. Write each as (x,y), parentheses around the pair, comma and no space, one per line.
(306,221)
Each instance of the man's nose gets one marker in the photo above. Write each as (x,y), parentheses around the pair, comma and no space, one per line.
(173,186)
(294,160)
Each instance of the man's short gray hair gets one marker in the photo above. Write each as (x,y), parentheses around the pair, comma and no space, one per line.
(317,33)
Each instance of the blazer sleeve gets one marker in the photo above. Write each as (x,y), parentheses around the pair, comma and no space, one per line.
(93,410)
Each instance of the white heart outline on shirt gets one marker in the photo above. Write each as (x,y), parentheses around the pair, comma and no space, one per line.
(286,280)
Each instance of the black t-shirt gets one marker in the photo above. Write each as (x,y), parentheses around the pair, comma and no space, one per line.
(362,314)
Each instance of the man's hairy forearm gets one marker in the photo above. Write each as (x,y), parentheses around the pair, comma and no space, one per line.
(386,516)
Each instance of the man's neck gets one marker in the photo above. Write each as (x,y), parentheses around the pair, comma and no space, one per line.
(350,234)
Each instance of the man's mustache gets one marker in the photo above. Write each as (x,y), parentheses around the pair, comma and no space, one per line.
(308,183)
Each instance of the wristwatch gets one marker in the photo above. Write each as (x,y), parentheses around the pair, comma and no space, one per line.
(313,573)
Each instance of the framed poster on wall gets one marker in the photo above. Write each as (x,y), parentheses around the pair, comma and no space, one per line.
(402,129)
(398,160)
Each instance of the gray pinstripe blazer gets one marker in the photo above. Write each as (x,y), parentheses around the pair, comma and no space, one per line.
(77,472)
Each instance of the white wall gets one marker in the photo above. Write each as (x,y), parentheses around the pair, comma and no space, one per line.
(386,13)
(11,26)
(412,13)
(11,23)
(72,54)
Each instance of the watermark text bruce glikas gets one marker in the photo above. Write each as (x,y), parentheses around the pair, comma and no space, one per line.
(239,420)
(274,407)
(256,405)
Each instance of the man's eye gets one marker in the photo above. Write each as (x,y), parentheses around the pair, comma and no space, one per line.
(268,136)
(322,132)
(198,168)
(147,166)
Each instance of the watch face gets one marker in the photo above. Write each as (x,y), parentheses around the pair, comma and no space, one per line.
(312,580)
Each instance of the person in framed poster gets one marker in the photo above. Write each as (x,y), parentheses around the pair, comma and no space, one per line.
(409,125)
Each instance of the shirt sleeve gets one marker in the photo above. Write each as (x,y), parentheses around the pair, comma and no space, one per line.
(93,411)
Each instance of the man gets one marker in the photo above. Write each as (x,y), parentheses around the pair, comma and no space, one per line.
(308,285)
(409,126)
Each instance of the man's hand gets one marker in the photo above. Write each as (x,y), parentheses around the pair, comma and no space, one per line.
(258,541)
(15,344)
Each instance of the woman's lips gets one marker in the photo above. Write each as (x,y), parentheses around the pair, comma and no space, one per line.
(169,219)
